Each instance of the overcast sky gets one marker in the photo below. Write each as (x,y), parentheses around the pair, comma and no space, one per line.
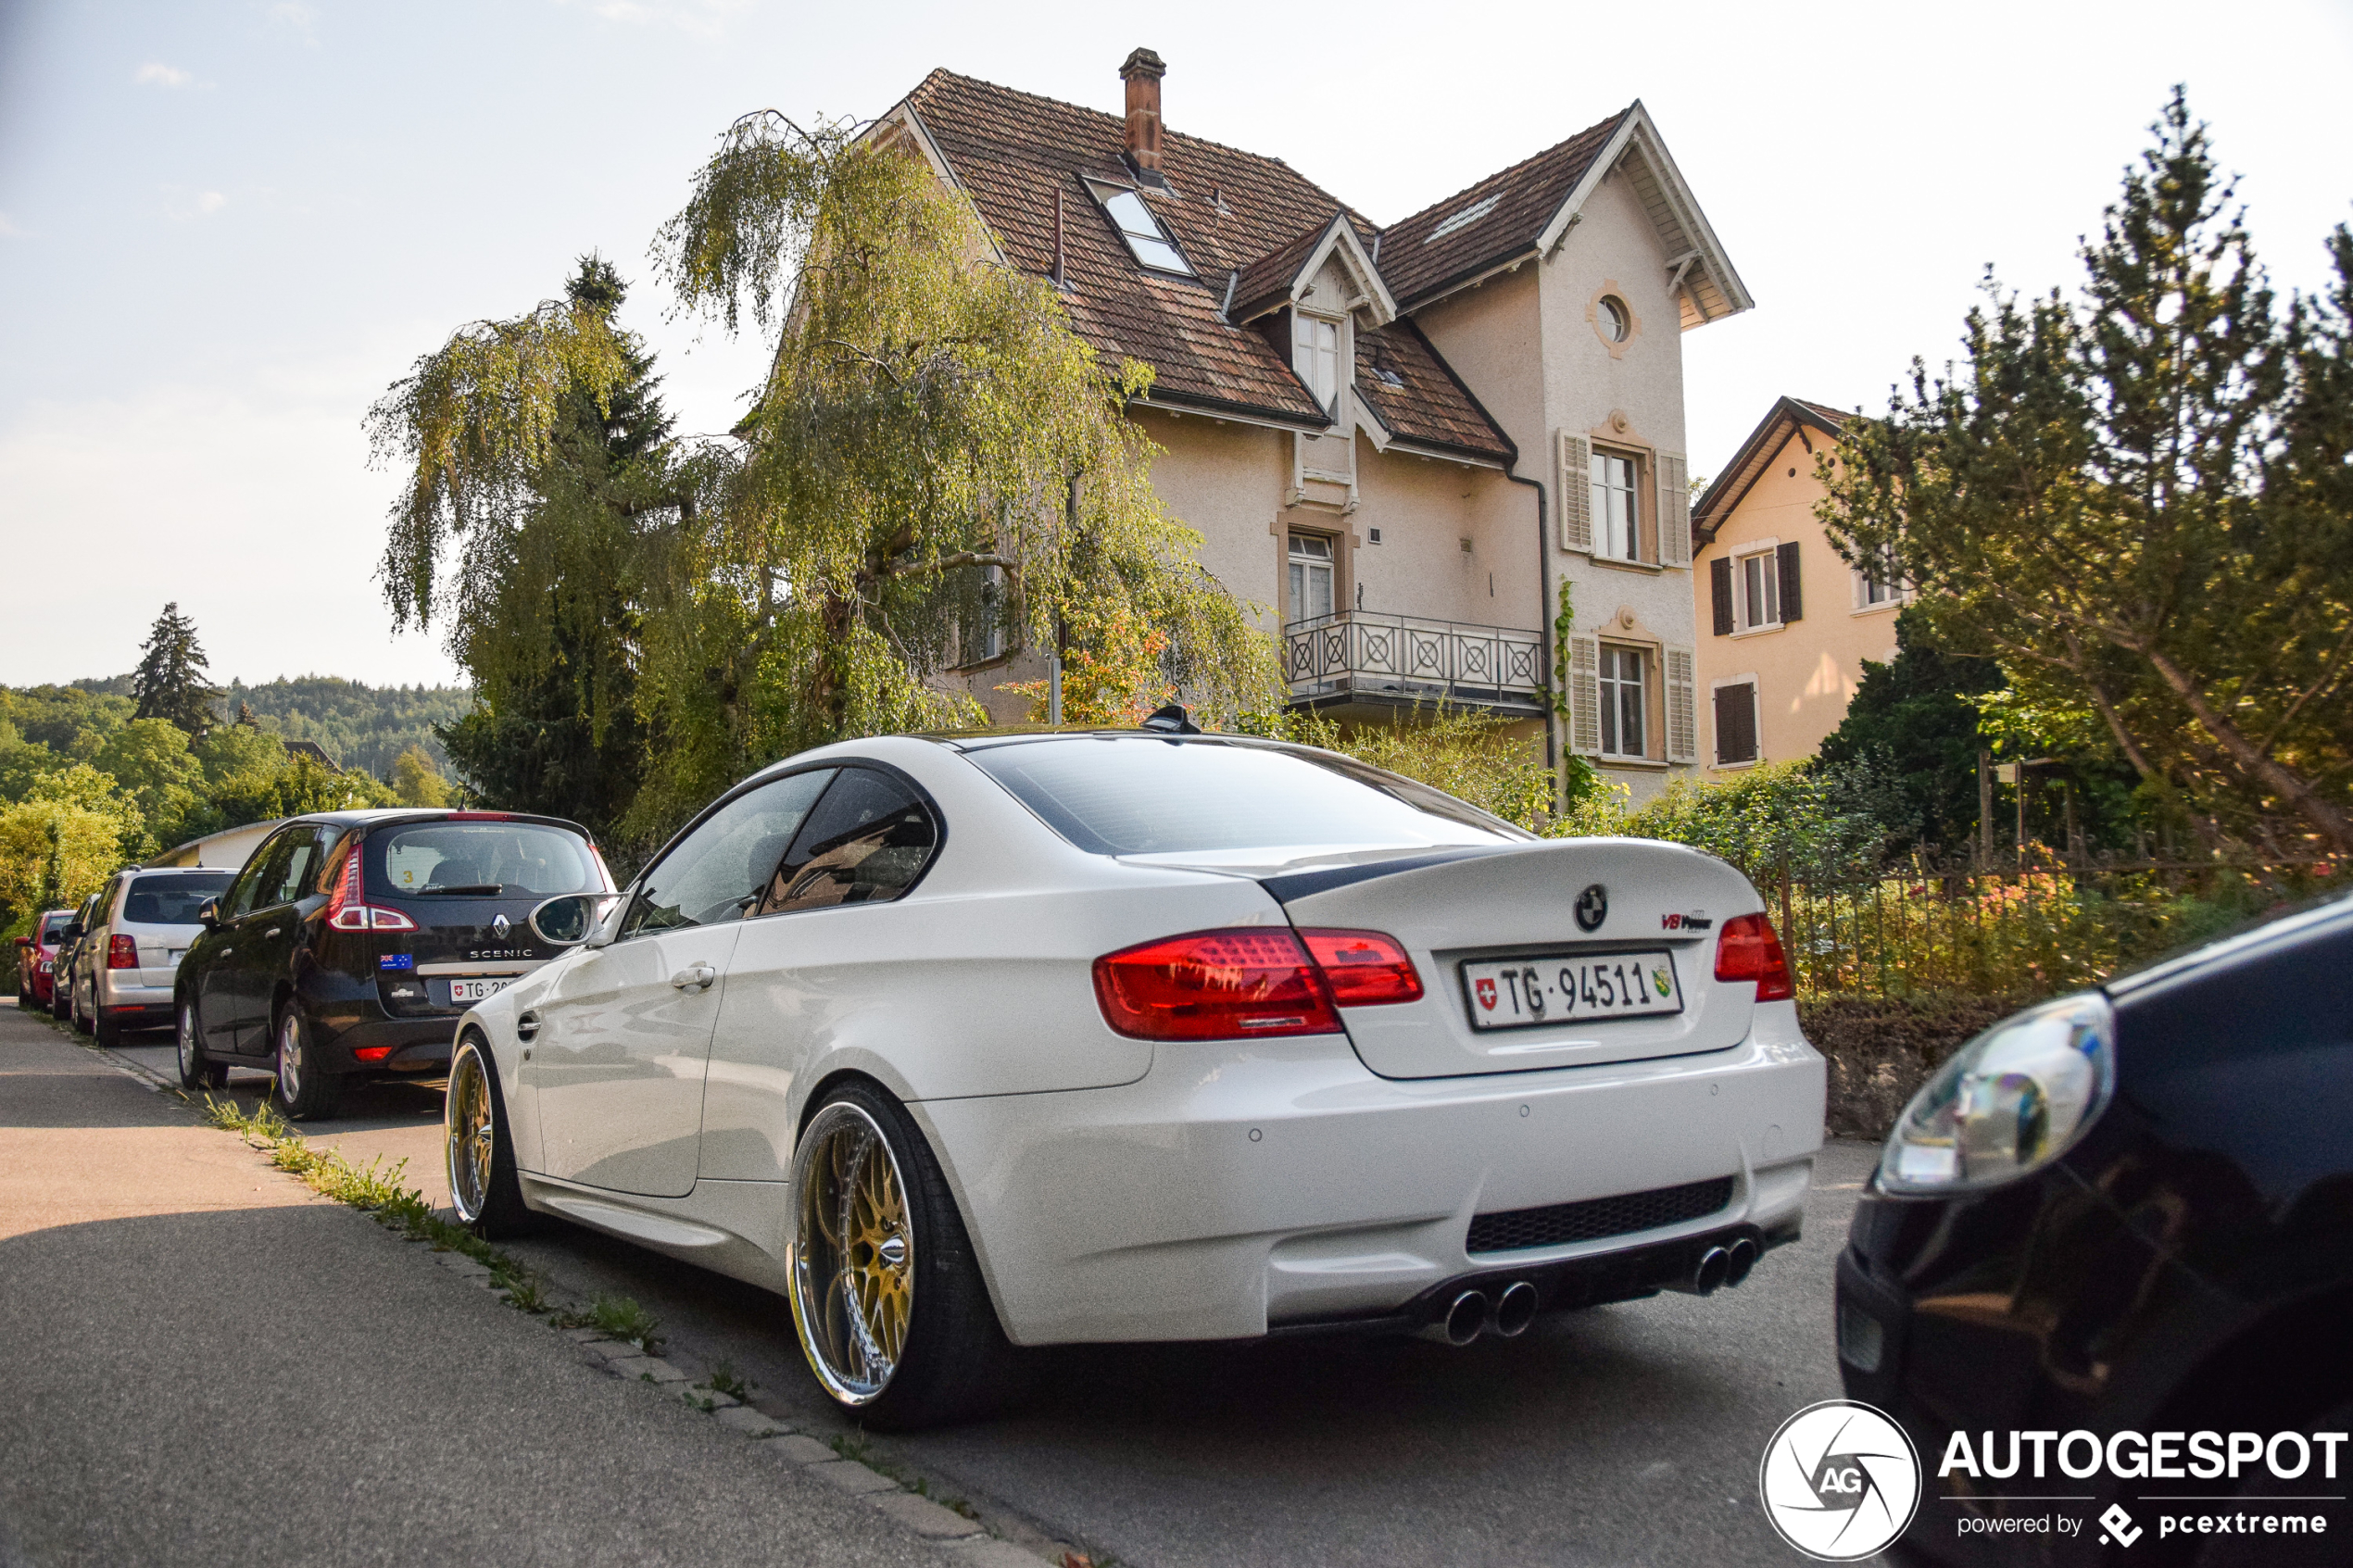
(225,225)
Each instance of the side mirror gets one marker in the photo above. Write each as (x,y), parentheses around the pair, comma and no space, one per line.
(208,914)
(24,941)
(569,919)
(72,932)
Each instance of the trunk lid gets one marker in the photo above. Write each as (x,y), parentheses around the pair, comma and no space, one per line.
(457,938)
(1517,909)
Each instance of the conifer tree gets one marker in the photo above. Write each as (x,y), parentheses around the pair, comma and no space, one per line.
(170,680)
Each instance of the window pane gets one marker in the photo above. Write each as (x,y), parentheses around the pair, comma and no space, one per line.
(521,859)
(170,900)
(1319,591)
(865,844)
(1153,253)
(718,870)
(1137,796)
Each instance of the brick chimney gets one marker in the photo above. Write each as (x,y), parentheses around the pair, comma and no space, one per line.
(1142,72)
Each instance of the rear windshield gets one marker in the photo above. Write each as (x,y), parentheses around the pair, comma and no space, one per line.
(480,860)
(173,900)
(1145,796)
(53,925)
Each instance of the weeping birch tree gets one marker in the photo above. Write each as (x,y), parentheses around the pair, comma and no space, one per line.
(928,414)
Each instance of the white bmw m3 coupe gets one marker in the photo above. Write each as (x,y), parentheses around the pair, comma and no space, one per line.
(969,1041)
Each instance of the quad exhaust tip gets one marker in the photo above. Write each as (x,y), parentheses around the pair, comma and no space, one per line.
(1515,1310)
(1467,1317)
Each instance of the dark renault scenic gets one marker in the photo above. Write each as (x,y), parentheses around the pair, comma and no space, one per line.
(352,940)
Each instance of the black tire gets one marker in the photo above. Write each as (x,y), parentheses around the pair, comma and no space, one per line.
(954,1362)
(82,1024)
(60,997)
(485,1192)
(197,1071)
(105,1030)
(305,1092)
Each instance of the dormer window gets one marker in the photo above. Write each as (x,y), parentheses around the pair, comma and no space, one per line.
(1316,356)
(1145,237)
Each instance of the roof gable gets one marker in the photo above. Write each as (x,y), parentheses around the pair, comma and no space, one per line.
(1282,276)
(1785,419)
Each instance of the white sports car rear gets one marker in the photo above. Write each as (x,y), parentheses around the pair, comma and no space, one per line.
(967,1042)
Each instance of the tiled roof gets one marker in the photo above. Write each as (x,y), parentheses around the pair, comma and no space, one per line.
(1230,212)
(1417,261)
(1267,281)
(1431,407)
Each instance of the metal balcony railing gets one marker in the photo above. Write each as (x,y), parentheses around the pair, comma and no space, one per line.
(1364,656)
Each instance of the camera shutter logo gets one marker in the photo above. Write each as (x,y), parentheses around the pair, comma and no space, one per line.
(1592,907)
(1840,1481)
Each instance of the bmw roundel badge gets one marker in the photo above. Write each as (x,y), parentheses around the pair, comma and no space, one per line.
(1592,907)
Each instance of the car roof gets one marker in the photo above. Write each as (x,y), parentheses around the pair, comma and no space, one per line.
(380,816)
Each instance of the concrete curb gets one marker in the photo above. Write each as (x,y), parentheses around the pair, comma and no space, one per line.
(963,1538)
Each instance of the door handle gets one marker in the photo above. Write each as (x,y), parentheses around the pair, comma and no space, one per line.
(527,1026)
(695,976)
(272,932)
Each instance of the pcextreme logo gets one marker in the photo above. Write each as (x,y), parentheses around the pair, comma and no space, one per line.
(1840,1481)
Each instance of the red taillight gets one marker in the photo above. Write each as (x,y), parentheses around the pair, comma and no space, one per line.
(1748,949)
(1244,984)
(122,952)
(345,912)
(1215,986)
(1364,968)
(371,1053)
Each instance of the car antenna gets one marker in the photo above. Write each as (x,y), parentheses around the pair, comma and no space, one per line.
(1171,721)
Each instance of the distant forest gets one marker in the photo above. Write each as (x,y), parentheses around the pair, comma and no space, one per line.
(359,727)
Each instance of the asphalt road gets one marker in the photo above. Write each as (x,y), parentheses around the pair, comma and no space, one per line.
(1625,1434)
(203,1363)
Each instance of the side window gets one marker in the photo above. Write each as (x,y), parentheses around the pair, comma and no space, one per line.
(716,872)
(246,895)
(293,875)
(865,844)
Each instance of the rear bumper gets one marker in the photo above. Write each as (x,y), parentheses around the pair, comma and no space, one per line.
(1277,1185)
(407,1044)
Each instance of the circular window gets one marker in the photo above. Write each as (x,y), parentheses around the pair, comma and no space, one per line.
(1615,318)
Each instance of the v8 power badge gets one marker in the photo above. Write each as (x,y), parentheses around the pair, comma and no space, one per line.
(1839,1481)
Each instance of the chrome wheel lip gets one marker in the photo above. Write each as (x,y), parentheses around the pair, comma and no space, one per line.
(468,1134)
(811,1297)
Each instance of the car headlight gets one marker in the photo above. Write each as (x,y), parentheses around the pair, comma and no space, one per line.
(2010,1100)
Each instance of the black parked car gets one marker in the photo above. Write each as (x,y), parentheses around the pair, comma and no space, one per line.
(2128,1214)
(352,940)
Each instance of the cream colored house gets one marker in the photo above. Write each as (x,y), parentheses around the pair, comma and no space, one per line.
(1786,622)
(1399,441)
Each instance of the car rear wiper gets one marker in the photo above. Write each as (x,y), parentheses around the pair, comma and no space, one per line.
(469,890)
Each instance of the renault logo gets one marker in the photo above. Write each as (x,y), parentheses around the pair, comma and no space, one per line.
(500,926)
(1592,907)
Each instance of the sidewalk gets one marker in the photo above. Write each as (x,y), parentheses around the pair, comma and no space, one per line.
(201,1361)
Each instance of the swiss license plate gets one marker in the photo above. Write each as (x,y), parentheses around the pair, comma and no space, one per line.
(476,990)
(1560,988)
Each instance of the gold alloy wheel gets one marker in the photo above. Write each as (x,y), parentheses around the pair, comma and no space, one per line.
(468,1135)
(853,1261)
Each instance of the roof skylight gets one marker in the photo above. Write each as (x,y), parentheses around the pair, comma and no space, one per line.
(1142,232)
(1466,218)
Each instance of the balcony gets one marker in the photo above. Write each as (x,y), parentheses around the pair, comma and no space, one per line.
(1356,659)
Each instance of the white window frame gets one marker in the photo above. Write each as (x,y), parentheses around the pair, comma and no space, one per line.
(1891,597)
(1600,487)
(1751,552)
(1757,721)
(1316,360)
(1612,693)
(1300,567)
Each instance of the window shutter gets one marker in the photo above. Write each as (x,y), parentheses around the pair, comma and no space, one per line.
(1585,695)
(1736,723)
(1720,591)
(1682,708)
(1576,494)
(1674,510)
(1792,600)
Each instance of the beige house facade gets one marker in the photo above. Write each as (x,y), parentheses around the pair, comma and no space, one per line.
(1398,443)
(1785,622)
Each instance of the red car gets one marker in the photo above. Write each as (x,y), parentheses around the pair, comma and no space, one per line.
(37,959)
